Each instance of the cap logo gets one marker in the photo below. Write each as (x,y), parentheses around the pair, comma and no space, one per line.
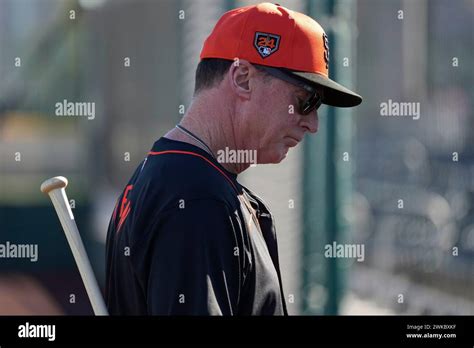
(266,44)
(326,49)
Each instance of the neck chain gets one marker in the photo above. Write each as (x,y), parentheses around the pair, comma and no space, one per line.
(195,137)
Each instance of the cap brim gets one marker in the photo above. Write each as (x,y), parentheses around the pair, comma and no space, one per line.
(334,93)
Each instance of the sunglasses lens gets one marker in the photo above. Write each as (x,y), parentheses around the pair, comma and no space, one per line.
(311,104)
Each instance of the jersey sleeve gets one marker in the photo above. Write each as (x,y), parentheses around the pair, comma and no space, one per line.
(195,261)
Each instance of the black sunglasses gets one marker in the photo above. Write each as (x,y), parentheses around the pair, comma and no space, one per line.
(315,99)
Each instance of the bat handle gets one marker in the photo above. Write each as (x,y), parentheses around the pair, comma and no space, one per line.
(55,188)
(58,182)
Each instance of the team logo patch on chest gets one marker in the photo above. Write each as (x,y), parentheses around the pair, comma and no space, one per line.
(266,44)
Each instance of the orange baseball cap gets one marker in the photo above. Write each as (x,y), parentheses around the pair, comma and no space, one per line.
(274,36)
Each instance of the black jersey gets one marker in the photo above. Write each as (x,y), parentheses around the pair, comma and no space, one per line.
(186,238)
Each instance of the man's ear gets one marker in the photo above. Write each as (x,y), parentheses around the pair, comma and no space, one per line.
(240,74)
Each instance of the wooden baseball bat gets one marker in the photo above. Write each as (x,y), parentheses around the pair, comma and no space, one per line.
(55,188)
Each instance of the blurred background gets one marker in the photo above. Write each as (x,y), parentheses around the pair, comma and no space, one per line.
(401,187)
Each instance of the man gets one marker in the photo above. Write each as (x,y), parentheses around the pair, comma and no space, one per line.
(185,237)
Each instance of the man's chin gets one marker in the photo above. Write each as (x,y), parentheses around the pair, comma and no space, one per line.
(274,158)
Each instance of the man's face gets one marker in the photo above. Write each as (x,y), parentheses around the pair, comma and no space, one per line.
(274,123)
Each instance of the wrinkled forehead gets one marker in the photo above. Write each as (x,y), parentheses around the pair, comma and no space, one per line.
(276,85)
(292,82)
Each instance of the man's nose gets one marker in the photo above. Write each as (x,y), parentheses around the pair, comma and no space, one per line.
(310,122)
